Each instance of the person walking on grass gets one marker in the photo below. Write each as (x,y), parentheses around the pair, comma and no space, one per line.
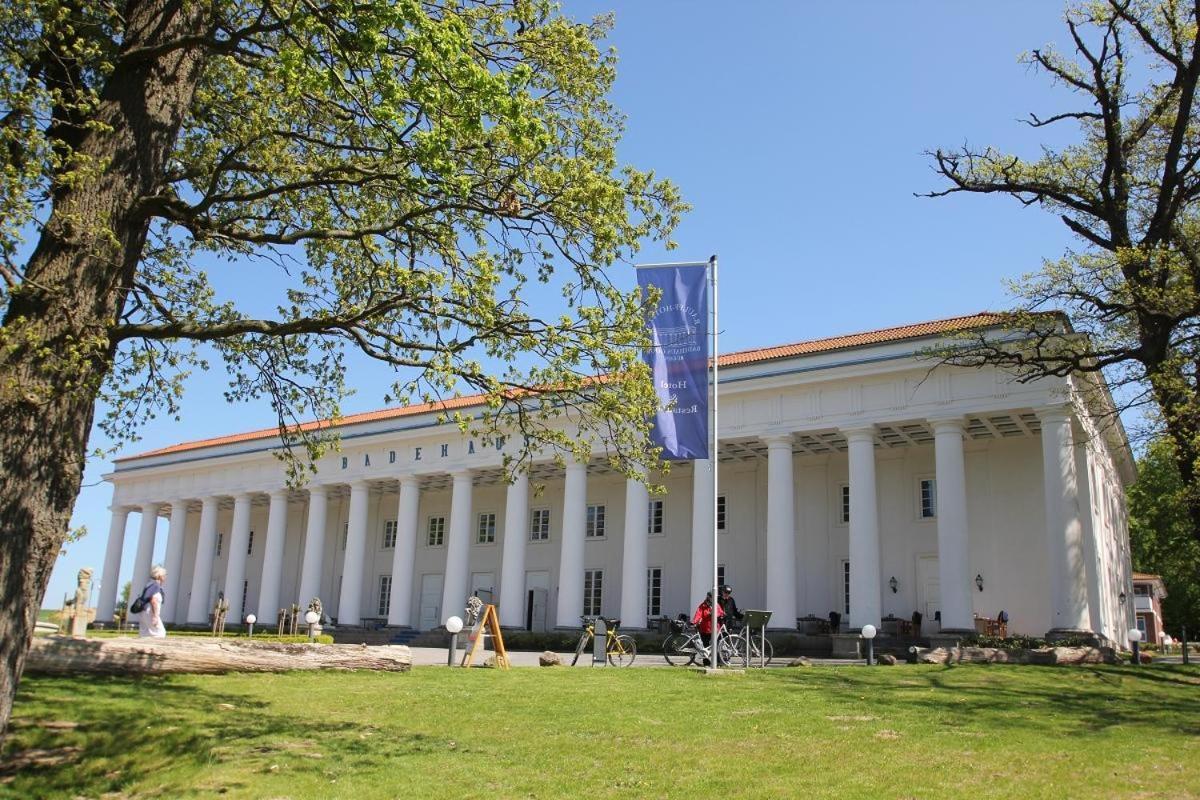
(150,605)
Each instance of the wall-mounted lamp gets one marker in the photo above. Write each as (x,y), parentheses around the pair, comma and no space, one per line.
(979,582)
(893,583)
(1121,598)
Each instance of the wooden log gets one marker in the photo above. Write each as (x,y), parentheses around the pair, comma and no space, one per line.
(59,655)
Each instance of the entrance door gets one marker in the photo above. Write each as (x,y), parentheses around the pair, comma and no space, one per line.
(483,586)
(537,600)
(431,602)
(929,593)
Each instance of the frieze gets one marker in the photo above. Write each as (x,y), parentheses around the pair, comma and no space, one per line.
(425,453)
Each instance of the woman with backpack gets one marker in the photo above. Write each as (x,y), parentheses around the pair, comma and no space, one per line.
(148,605)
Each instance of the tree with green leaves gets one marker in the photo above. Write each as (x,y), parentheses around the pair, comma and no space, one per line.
(1160,536)
(1128,191)
(406,171)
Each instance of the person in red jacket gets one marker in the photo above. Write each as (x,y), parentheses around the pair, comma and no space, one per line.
(703,620)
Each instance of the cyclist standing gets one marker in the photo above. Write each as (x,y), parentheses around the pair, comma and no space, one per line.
(703,619)
(728,604)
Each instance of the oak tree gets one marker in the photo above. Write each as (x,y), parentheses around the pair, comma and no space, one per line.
(405,169)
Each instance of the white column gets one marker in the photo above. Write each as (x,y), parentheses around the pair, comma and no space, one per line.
(1064,531)
(272,568)
(702,531)
(781,533)
(954,565)
(206,546)
(634,558)
(512,564)
(235,569)
(865,600)
(404,558)
(350,601)
(106,602)
(314,546)
(570,562)
(145,549)
(173,609)
(458,564)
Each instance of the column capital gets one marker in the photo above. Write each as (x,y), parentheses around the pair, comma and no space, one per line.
(773,440)
(409,480)
(1058,412)
(462,475)
(121,509)
(154,506)
(359,484)
(244,496)
(952,424)
(279,491)
(859,434)
(317,488)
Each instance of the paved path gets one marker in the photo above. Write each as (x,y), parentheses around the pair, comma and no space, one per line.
(427,656)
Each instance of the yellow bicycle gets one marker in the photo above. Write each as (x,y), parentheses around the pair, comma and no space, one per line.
(620,648)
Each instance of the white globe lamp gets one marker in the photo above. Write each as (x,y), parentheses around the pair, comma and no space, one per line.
(868,633)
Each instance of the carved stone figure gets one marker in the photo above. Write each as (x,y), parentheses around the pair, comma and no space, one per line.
(79,614)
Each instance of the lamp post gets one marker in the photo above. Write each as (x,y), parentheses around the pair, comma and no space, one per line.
(453,626)
(250,620)
(312,618)
(868,633)
(1135,636)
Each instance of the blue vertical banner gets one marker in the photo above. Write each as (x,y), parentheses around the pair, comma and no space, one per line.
(678,357)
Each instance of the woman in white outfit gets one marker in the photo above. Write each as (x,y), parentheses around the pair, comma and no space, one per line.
(150,620)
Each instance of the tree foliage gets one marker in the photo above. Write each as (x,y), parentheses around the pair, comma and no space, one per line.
(1129,192)
(1160,536)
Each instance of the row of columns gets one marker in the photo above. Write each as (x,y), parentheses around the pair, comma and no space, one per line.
(1064,537)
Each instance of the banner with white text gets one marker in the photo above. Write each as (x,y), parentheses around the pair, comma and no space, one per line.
(678,358)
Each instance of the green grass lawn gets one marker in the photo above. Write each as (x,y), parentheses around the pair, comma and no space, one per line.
(839,732)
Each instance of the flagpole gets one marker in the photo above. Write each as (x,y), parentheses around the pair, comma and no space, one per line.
(712,455)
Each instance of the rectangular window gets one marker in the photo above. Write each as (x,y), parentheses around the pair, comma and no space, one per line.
(250,544)
(593,591)
(928,498)
(1141,591)
(654,524)
(595,522)
(720,512)
(389,534)
(845,588)
(385,595)
(345,534)
(720,574)
(245,592)
(654,592)
(220,542)
(844,516)
(539,525)
(487,528)
(437,532)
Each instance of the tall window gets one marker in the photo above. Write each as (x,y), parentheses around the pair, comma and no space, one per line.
(385,595)
(250,544)
(539,525)
(220,542)
(720,574)
(437,532)
(595,522)
(845,509)
(487,528)
(245,591)
(389,534)
(593,591)
(720,512)
(654,525)
(345,534)
(654,591)
(845,588)
(928,498)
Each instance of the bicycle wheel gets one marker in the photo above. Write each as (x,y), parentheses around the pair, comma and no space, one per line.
(583,638)
(764,655)
(623,651)
(678,650)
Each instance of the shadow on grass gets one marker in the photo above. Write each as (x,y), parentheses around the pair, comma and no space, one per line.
(1048,700)
(142,731)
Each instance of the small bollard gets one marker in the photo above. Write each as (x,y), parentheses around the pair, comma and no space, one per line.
(1183,636)
(453,626)
(599,642)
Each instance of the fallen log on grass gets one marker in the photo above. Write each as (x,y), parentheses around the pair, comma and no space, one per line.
(60,655)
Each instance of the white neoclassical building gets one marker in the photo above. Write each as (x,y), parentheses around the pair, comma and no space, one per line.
(853,478)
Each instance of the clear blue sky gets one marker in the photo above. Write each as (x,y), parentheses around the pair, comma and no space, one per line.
(796,130)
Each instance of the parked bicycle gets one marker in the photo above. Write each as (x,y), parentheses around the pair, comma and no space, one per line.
(761,651)
(619,647)
(685,645)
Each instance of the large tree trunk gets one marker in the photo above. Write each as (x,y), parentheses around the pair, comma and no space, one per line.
(55,333)
(59,655)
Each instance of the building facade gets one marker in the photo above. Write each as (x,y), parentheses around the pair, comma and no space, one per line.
(1148,594)
(854,476)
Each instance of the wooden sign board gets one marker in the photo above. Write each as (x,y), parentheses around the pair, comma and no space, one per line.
(491,622)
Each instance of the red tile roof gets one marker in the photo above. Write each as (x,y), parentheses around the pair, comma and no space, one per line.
(884,335)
